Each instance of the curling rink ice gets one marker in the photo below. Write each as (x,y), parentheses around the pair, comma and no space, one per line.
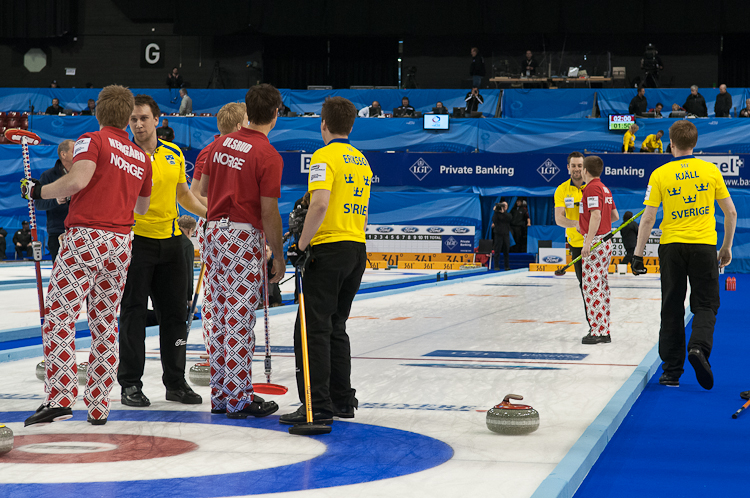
(427,363)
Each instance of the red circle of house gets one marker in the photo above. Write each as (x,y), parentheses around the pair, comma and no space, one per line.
(93,448)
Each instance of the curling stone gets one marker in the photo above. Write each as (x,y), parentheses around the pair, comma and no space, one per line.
(507,418)
(6,439)
(83,369)
(200,374)
(40,369)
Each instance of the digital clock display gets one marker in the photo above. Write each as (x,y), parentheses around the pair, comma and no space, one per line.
(621,121)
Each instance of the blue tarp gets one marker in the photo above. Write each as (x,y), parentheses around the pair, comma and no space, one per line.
(210,101)
(547,104)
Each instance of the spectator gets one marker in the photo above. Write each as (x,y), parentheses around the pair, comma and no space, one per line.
(174,79)
(519,225)
(675,108)
(89,85)
(57,209)
(723,103)
(55,108)
(371,111)
(657,110)
(695,103)
(441,109)
(53,84)
(164,132)
(473,99)
(629,237)
(628,141)
(639,104)
(90,110)
(186,106)
(745,112)
(3,234)
(284,110)
(405,110)
(22,240)
(476,70)
(501,234)
(188,227)
(651,64)
(652,144)
(528,65)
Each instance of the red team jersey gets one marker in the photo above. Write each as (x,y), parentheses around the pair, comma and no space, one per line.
(123,173)
(243,167)
(200,161)
(596,197)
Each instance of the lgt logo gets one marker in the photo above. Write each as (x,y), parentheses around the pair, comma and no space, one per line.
(420,169)
(548,170)
(304,163)
(728,165)
(451,243)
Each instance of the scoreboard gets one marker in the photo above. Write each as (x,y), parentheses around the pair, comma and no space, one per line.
(420,238)
(620,122)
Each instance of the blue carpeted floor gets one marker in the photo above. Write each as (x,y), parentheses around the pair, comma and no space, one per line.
(683,442)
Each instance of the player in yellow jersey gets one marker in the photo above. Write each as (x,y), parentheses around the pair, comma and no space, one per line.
(628,141)
(653,143)
(567,200)
(334,230)
(687,188)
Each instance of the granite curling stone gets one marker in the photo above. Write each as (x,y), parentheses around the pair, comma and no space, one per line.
(6,439)
(200,374)
(40,368)
(507,418)
(83,369)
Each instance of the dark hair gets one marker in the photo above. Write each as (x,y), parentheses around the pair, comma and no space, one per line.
(684,135)
(574,154)
(594,165)
(149,101)
(627,215)
(262,102)
(339,115)
(659,104)
(405,98)
(660,131)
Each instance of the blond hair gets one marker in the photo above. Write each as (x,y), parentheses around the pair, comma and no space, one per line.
(114,106)
(229,116)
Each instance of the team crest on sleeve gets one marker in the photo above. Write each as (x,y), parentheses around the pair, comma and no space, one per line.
(593,202)
(82,145)
(318,172)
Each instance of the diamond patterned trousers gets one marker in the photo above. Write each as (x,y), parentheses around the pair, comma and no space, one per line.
(596,287)
(92,264)
(206,315)
(234,277)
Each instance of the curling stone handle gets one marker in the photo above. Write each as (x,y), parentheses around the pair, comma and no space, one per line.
(512,396)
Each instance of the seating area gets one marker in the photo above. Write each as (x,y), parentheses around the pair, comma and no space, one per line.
(12,119)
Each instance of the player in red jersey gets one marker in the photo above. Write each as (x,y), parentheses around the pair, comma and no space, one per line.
(110,178)
(597,212)
(242,180)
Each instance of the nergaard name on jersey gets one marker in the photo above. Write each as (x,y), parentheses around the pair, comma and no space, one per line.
(127,150)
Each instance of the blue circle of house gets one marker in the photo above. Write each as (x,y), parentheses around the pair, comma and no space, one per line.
(355,453)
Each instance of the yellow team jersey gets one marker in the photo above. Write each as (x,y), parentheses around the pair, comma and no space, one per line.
(344,171)
(628,141)
(687,188)
(569,196)
(652,143)
(168,169)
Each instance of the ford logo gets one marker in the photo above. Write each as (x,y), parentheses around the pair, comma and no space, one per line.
(460,230)
(434,230)
(385,229)
(410,229)
(552,259)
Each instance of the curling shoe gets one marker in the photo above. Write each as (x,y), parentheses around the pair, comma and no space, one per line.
(596,339)
(702,368)
(669,380)
(133,396)
(342,411)
(96,421)
(258,408)
(184,394)
(745,395)
(300,417)
(46,414)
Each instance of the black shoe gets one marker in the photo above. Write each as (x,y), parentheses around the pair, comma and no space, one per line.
(342,411)
(745,395)
(184,394)
(96,421)
(218,411)
(702,368)
(669,380)
(258,408)
(596,339)
(133,396)
(300,417)
(46,414)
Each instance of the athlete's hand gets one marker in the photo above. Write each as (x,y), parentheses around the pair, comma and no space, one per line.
(586,250)
(297,256)
(278,269)
(636,266)
(725,256)
(31,189)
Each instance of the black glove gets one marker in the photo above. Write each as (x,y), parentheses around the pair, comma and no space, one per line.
(31,189)
(298,257)
(636,266)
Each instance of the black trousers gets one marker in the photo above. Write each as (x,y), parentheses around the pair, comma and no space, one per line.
(680,263)
(53,244)
(574,253)
(517,231)
(21,250)
(502,245)
(329,285)
(157,269)
(2,248)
